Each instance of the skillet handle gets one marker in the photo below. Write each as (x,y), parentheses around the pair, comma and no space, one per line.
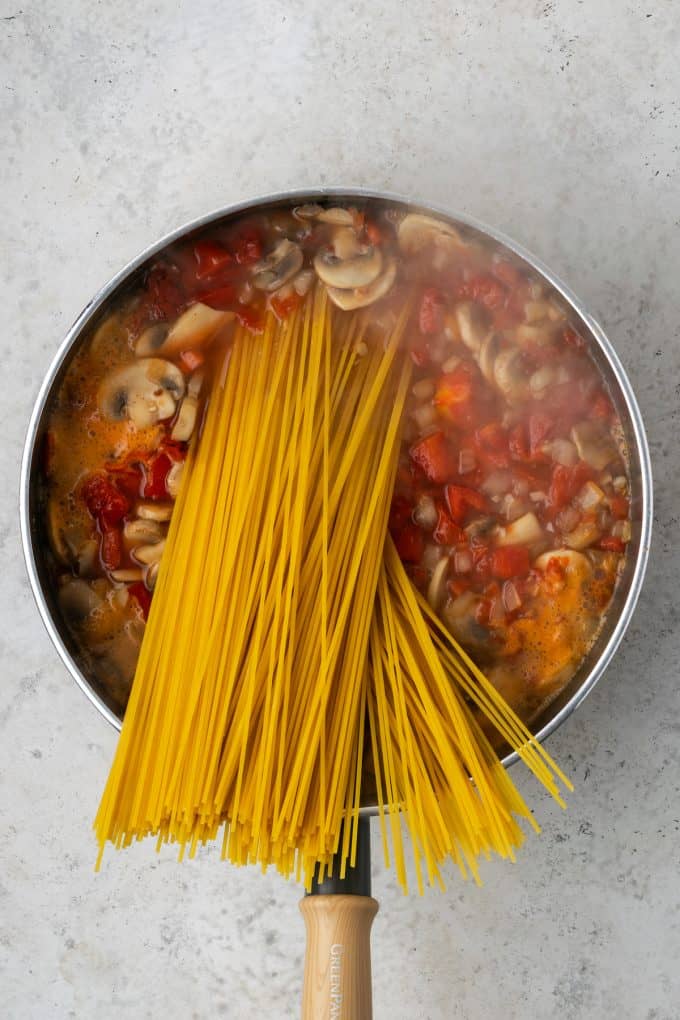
(337,981)
(338,916)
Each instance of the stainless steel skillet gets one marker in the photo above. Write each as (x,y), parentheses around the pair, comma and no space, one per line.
(338,967)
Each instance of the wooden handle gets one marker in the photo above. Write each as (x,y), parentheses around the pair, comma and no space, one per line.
(337,982)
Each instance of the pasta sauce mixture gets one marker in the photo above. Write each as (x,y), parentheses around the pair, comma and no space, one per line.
(510,508)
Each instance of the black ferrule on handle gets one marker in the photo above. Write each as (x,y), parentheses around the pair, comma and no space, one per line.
(357,880)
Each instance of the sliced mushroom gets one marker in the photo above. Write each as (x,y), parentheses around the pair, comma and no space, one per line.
(472,320)
(307,212)
(488,353)
(186,420)
(436,590)
(127,575)
(77,599)
(349,264)
(302,283)
(155,511)
(583,535)
(509,374)
(360,297)
(143,532)
(195,328)
(146,392)
(195,383)
(281,265)
(149,553)
(594,444)
(150,342)
(535,334)
(173,479)
(416,232)
(568,557)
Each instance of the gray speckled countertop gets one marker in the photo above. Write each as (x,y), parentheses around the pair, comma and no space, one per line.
(557,122)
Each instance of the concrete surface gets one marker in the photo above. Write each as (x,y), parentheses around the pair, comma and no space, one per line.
(559,122)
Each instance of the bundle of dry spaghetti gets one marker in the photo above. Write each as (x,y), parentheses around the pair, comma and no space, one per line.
(283,625)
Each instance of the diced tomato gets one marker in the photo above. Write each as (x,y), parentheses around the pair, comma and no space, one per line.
(431,315)
(140,592)
(518,443)
(251,318)
(175,449)
(105,501)
(220,298)
(410,543)
(481,561)
(460,499)
(619,506)
(540,427)
(458,586)
(211,258)
(192,359)
(446,532)
(400,514)
(510,561)
(111,548)
(248,246)
(486,289)
(572,338)
(165,296)
(612,544)
(601,407)
(454,396)
(282,307)
(491,441)
(434,457)
(155,471)
(566,482)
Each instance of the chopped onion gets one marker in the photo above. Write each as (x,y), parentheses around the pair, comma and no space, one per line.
(497,483)
(542,378)
(425,513)
(538,497)
(622,530)
(591,495)
(514,507)
(563,452)
(568,518)
(583,535)
(620,483)
(511,599)
(424,416)
(423,389)
(462,561)
(466,461)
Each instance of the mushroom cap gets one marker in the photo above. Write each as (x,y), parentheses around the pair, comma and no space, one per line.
(195,327)
(281,265)
(509,374)
(145,391)
(359,270)
(360,297)
(417,231)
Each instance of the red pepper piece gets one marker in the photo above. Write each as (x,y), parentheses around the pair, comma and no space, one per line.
(433,456)
(248,246)
(155,473)
(446,531)
(460,499)
(491,441)
(251,318)
(486,289)
(220,298)
(510,561)
(619,506)
(400,514)
(143,596)
(111,548)
(410,544)
(431,314)
(453,398)
(105,501)
(282,307)
(211,258)
(566,482)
